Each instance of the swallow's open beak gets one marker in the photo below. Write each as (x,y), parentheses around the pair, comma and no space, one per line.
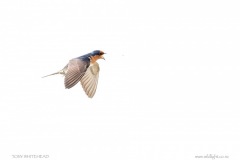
(102,57)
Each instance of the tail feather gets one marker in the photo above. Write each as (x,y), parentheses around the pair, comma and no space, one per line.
(63,71)
(52,74)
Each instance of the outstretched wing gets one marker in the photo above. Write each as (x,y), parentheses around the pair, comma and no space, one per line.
(90,80)
(75,71)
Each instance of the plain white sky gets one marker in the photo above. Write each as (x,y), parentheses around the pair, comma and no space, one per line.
(169,88)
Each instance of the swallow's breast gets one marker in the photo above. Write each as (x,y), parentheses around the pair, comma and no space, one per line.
(93,59)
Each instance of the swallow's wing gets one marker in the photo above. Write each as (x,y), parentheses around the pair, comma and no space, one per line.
(90,80)
(75,71)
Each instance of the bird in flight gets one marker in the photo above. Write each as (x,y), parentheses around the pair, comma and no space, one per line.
(84,69)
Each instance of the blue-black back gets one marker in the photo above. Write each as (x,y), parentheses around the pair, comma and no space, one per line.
(86,56)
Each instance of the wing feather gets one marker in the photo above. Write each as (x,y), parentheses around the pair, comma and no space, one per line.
(75,71)
(90,80)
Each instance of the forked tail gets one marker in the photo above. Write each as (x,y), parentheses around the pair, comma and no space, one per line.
(59,72)
(63,71)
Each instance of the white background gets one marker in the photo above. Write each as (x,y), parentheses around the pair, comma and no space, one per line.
(169,88)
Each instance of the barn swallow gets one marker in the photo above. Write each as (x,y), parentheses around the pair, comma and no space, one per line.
(84,69)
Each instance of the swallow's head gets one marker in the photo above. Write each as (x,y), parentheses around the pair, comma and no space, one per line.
(98,54)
